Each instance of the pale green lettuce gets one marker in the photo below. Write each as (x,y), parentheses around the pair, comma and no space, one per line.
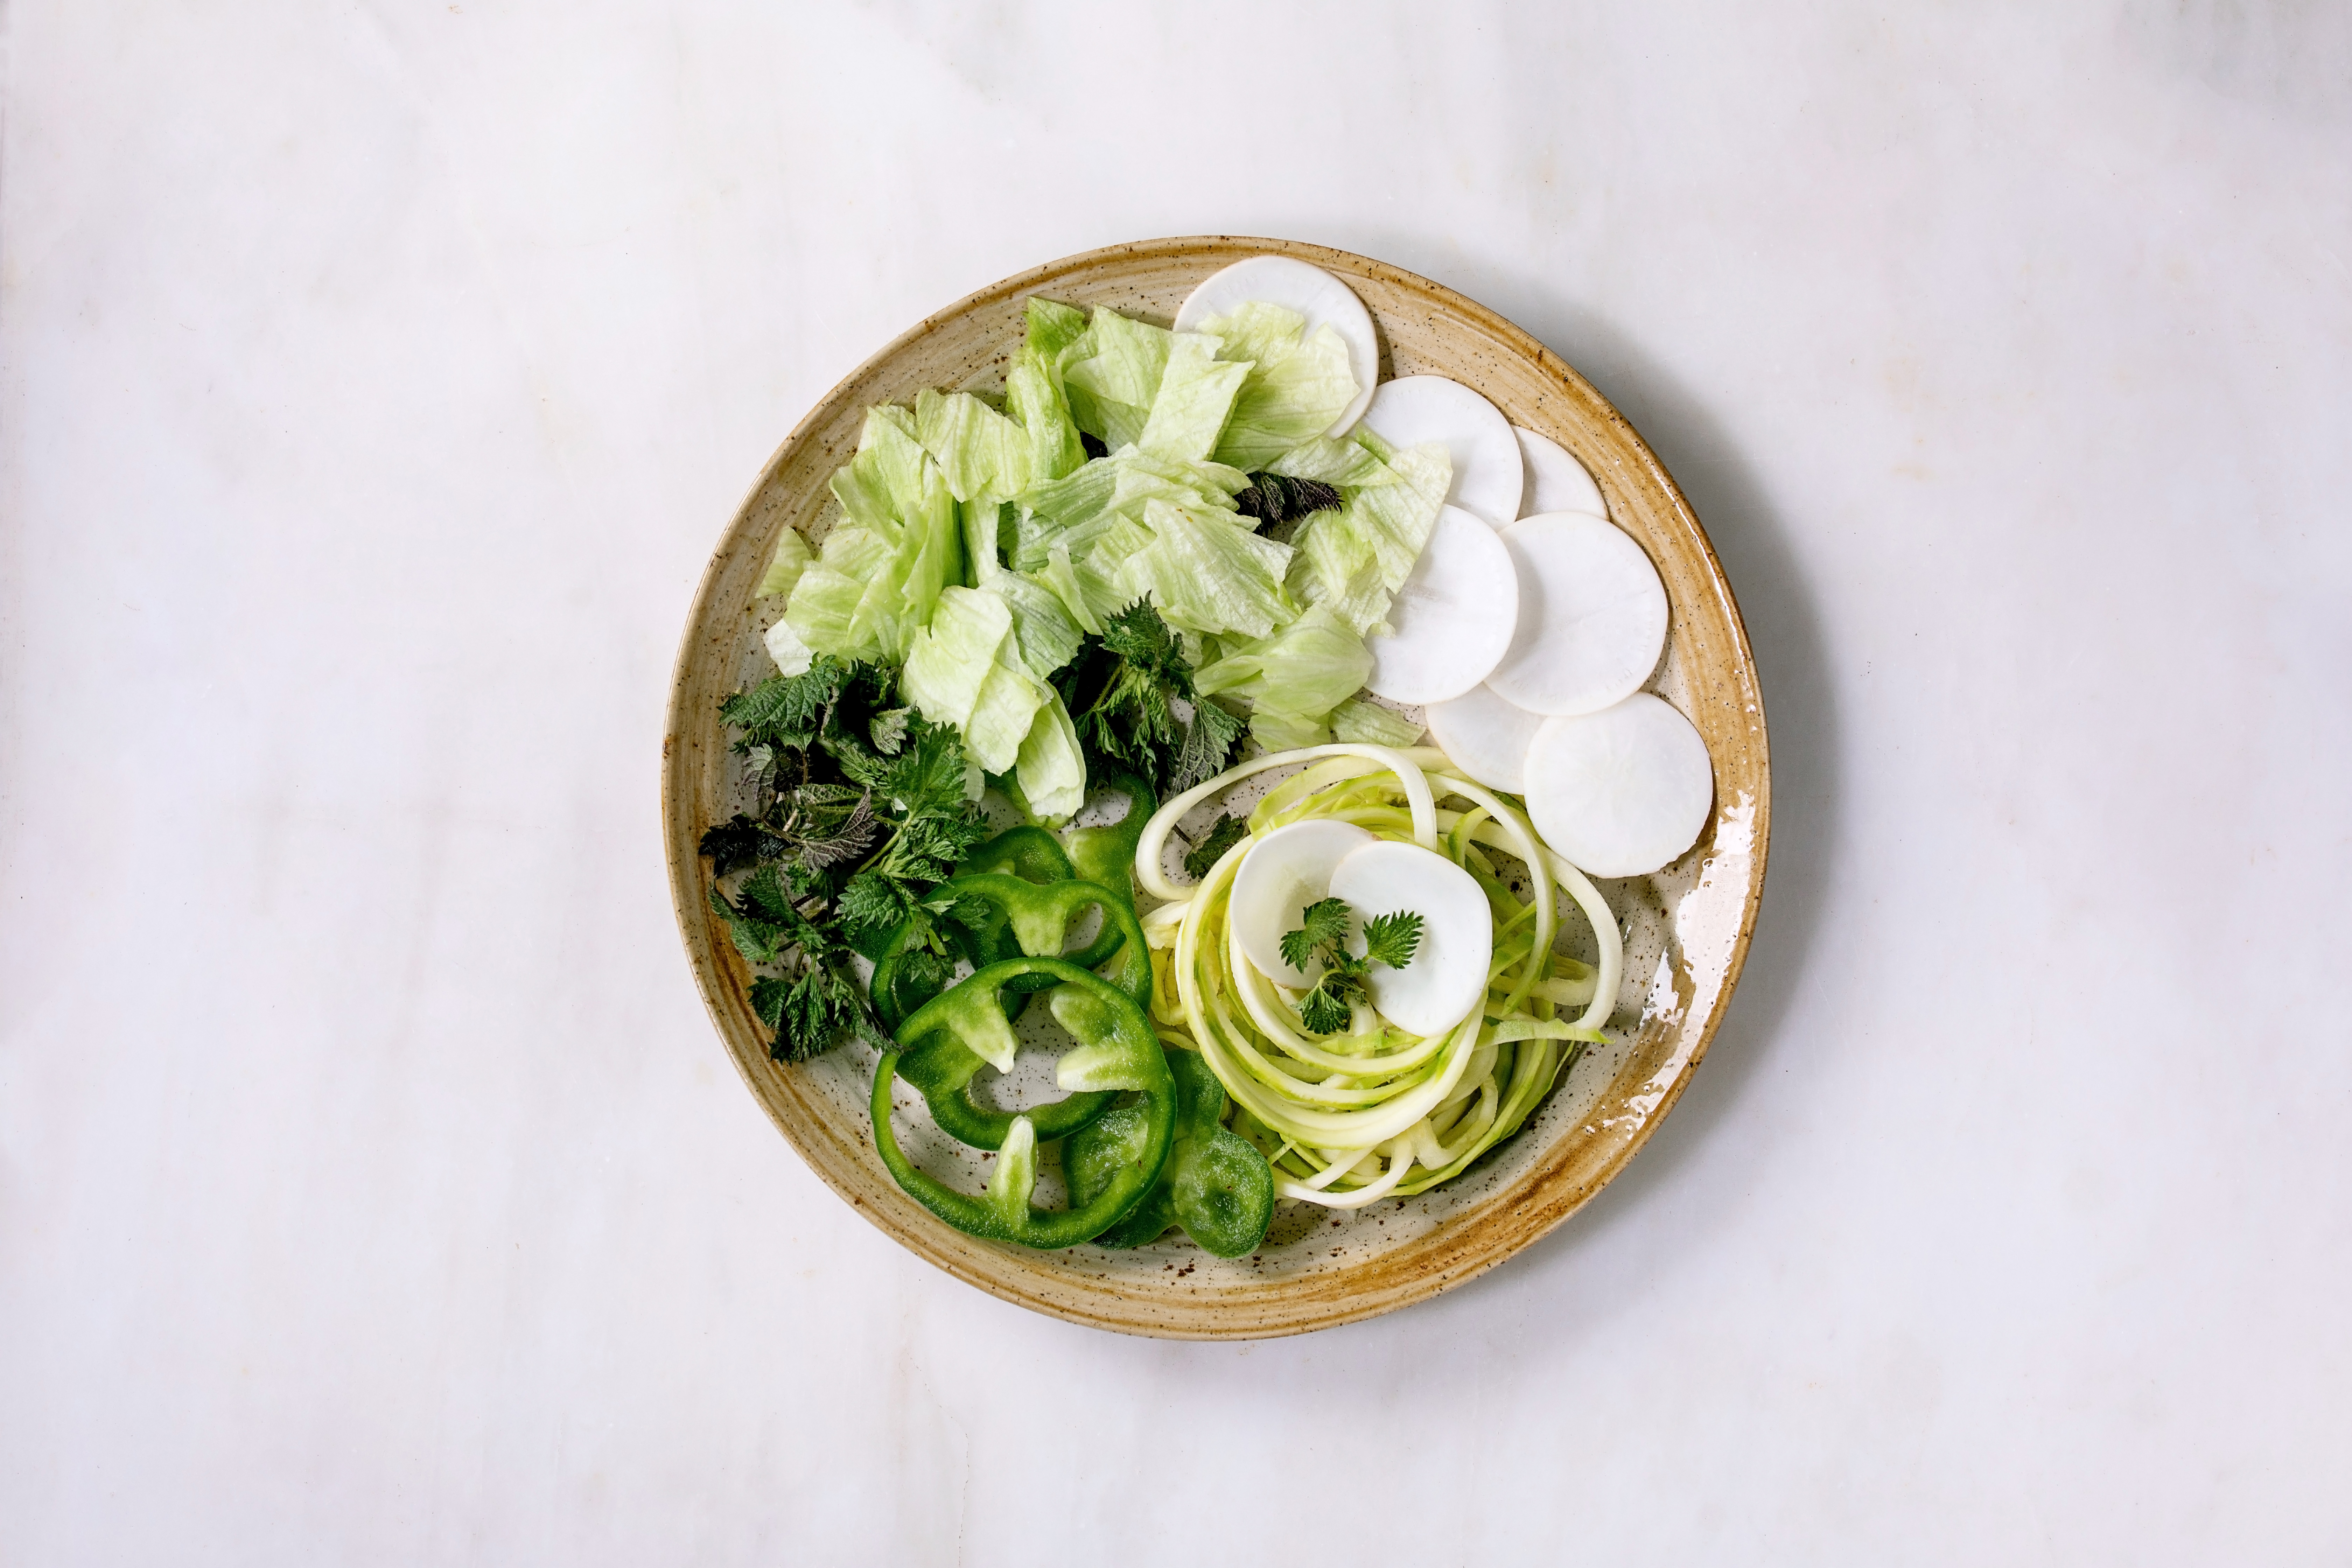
(1195,394)
(791,559)
(1369,725)
(1050,770)
(1110,388)
(1297,384)
(965,668)
(1304,669)
(1208,573)
(1355,558)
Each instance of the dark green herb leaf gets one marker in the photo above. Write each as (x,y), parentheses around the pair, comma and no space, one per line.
(1224,834)
(1391,939)
(1276,498)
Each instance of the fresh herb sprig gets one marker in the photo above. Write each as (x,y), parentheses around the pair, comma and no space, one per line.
(1224,834)
(862,809)
(1389,941)
(1277,498)
(1123,691)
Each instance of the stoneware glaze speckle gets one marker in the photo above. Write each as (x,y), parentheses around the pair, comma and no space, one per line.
(1687,928)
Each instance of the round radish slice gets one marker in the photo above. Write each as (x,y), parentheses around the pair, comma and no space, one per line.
(1556,481)
(1622,792)
(1308,289)
(1485,737)
(1284,872)
(1451,623)
(1592,615)
(1448,977)
(1489,472)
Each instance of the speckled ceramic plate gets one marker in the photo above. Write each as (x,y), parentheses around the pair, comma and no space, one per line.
(1687,928)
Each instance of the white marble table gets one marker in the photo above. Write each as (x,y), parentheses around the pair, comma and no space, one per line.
(374,379)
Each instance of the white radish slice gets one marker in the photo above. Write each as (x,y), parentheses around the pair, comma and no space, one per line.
(1592,615)
(1485,737)
(1306,288)
(1448,977)
(1284,872)
(1556,480)
(1452,620)
(1622,792)
(1489,472)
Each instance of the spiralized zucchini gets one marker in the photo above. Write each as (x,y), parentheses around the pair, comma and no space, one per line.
(1375,1112)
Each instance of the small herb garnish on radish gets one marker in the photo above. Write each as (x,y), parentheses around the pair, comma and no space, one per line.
(1389,939)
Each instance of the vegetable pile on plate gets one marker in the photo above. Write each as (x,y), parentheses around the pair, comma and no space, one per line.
(1155,546)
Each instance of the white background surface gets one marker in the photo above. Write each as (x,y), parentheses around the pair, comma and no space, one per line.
(373,1188)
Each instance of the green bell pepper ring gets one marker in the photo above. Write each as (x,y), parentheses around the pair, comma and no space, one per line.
(942,1061)
(1030,854)
(1117,1053)
(1105,855)
(1216,1184)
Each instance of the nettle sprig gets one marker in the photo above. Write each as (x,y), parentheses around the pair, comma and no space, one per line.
(1389,941)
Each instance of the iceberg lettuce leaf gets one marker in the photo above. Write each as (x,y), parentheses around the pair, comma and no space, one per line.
(1050,770)
(980,452)
(1368,723)
(791,559)
(1111,388)
(1194,396)
(1208,573)
(1304,669)
(1298,386)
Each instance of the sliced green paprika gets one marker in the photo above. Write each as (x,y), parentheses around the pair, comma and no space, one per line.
(904,981)
(942,1059)
(1105,855)
(1118,1052)
(1216,1184)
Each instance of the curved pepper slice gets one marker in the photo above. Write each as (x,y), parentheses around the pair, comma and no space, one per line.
(941,1059)
(1216,1184)
(1117,1053)
(1105,855)
(900,986)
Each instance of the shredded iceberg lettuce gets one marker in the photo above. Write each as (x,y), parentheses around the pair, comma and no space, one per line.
(1355,559)
(791,559)
(1297,383)
(1051,771)
(1304,669)
(965,668)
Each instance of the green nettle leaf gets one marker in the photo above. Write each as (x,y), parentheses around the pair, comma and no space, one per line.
(1276,498)
(1122,694)
(1224,834)
(1389,939)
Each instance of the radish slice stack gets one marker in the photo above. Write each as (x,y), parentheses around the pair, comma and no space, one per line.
(1556,481)
(1306,288)
(1489,472)
(1592,615)
(1448,971)
(1284,872)
(1452,619)
(1622,792)
(1487,736)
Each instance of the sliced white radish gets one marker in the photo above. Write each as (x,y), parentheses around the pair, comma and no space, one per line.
(1489,472)
(1306,288)
(1485,737)
(1592,615)
(1621,791)
(1556,481)
(1284,872)
(1448,977)
(1451,623)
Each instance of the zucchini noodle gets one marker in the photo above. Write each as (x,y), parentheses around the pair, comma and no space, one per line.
(1373,1112)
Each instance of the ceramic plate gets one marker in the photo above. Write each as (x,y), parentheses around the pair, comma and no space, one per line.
(1687,928)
